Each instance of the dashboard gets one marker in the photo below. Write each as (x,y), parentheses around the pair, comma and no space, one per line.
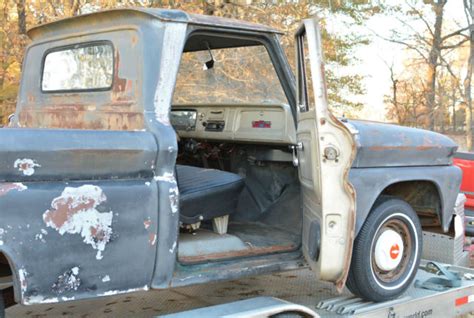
(245,123)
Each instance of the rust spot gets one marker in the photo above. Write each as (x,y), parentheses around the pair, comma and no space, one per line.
(7,187)
(119,83)
(31,98)
(75,212)
(147,224)
(401,148)
(252,251)
(26,166)
(65,208)
(134,40)
(322,121)
(67,281)
(152,238)
(121,114)
(98,234)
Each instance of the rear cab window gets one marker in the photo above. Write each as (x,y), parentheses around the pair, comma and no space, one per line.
(81,67)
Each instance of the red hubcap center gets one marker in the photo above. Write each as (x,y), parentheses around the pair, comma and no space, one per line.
(394,251)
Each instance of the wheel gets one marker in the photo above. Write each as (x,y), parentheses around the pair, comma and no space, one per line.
(386,252)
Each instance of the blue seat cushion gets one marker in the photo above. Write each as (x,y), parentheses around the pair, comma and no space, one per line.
(206,193)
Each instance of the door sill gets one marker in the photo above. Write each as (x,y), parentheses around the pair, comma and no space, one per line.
(232,269)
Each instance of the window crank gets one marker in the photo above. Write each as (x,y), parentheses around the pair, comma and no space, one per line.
(294,149)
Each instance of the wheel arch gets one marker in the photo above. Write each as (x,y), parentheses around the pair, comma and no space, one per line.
(8,268)
(422,195)
(440,183)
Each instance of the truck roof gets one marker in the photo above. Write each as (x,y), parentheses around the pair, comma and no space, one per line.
(163,15)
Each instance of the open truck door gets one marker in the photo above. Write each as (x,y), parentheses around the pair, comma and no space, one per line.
(325,150)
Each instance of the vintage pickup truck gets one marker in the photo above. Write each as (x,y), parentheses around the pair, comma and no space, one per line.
(155,148)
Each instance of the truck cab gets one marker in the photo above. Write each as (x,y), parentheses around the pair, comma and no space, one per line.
(155,148)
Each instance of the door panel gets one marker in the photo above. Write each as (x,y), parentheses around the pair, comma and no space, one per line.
(325,154)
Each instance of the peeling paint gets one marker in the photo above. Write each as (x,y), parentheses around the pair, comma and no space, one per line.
(7,187)
(173,191)
(26,166)
(75,212)
(2,232)
(174,199)
(22,274)
(147,223)
(174,36)
(38,299)
(166,177)
(67,281)
(173,247)
(131,290)
(106,279)
(39,237)
(152,239)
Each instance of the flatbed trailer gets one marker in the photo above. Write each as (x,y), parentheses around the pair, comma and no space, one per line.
(415,302)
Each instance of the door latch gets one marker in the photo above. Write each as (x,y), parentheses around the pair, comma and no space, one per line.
(294,149)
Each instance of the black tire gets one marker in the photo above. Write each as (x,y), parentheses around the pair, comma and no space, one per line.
(2,305)
(366,279)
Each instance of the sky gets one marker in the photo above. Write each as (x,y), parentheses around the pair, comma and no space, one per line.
(379,52)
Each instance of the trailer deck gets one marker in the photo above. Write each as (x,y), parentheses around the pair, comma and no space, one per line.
(298,287)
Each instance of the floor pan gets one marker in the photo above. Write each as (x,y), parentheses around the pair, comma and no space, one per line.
(242,240)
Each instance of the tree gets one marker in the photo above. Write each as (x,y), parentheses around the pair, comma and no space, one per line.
(469,10)
(429,45)
(21,11)
(404,104)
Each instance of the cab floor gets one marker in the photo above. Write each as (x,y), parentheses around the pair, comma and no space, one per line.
(242,240)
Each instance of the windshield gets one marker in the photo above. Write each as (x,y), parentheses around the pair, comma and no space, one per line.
(243,75)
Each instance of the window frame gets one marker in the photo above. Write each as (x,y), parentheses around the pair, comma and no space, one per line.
(303,98)
(78,46)
(271,45)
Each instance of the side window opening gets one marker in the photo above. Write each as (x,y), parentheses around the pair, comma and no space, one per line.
(238,75)
(305,81)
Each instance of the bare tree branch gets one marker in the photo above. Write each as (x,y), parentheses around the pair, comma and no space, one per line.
(421,17)
(458,32)
(453,46)
(408,45)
